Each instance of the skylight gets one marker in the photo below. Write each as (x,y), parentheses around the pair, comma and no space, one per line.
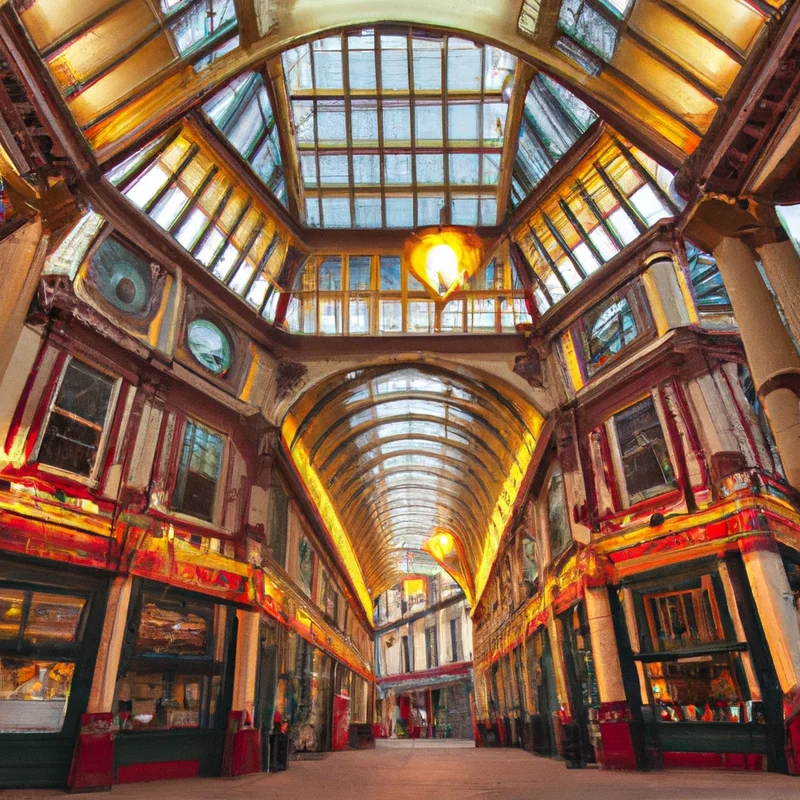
(243,115)
(398,129)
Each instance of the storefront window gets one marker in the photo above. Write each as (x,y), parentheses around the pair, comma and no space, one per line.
(34,691)
(700,689)
(682,619)
(174,675)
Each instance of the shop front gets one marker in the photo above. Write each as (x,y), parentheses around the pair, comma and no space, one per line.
(712,697)
(50,624)
(176,679)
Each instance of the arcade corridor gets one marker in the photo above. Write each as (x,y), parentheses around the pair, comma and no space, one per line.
(461,772)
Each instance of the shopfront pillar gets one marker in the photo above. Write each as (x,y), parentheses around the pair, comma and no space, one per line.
(615,717)
(243,743)
(781,264)
(93,760)
(774,361)
(774,601)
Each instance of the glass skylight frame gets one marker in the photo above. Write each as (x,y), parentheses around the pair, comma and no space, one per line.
(375,127)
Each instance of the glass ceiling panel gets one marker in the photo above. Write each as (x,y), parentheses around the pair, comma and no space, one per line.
(242,113)
(375,100)
(553,120)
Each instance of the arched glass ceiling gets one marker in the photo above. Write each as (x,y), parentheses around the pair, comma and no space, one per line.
(402,451)
(400,127)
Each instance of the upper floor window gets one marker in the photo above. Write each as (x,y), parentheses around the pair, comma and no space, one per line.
(709,290)
(77,422)
(431,647)
(646,467)
(557,520)
(530,566)
(199,468)
(682,619)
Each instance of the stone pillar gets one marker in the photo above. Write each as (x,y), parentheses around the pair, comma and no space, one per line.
(242,753)
(244,678)
(615,717)
(774,361)
(22,257)
(774,602)
(781,264)
(93,760)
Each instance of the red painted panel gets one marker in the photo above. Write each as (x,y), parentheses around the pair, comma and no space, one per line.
(162,770)
(341,729)
(618,752)
(692,760)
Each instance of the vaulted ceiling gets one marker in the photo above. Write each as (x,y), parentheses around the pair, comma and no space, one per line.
(399,451)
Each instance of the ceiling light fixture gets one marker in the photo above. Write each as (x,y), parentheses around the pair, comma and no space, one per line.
(443,258)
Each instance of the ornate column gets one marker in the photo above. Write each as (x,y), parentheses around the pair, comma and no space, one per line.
(774,361)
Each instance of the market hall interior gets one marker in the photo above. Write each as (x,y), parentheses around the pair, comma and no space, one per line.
(410,389)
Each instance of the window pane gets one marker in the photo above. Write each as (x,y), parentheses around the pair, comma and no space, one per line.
(33,694)
(428,123)
(366,170)
(465,211)
(368,212)
(360,268)
(390,273)
(11,601)
(701,689)
(179,628)
(336,212)
(464,168)
(464,61)
(429,210)
(330,274)
(645,458)
(330,315)
(53,619)
(159,701)
(397,121)
(453,316)
(391,316)
(557,520)
(394,63)
(399,212)
(198,471)
(359,315)
(398,168)
(420,316)
(462,122)
(623,225)
(647,203)
(76,422)
(430,168)
(427,64)
(607,329)
(361,56)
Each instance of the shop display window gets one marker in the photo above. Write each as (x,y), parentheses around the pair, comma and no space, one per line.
(305,569)
(75,428)
(40,634)
(682,619)
(174,674)
(647,470)
(703,688)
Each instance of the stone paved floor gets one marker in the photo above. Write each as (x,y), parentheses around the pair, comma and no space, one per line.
(400,770)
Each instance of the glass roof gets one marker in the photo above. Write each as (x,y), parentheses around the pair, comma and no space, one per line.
(400,129)
(392,128)
(242,113)
(404,451)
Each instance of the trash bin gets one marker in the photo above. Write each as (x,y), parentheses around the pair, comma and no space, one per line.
(278,750)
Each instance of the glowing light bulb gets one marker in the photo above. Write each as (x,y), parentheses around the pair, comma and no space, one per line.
(444,539)
(441,266)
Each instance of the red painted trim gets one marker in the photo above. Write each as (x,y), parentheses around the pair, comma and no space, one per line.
(44,404)
(677,446)
(608,467)
(113,434)
(691,431)
(460,668)
(758,544)
(16,420)
(157,771)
